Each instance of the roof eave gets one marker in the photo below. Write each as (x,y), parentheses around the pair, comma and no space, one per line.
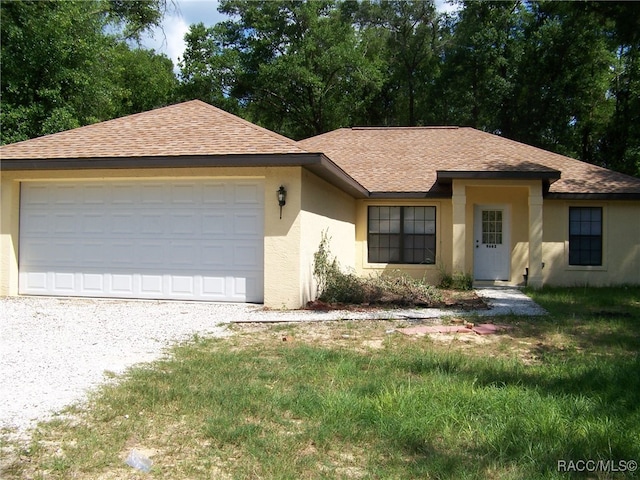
(409,195)
(317,163)
(447,176)
(593,196)
(326,169)
(183,161)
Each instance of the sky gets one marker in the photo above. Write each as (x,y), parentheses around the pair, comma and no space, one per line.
(169,39)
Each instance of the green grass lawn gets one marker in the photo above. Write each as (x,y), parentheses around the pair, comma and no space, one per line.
(353,400)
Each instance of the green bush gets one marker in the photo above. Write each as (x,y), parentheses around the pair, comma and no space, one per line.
(457,281)
(335,286)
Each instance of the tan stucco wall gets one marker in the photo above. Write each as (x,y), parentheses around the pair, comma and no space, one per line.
(515,196)
(9,225)
(621,244)
(325,208)
(430,273)
(281,237)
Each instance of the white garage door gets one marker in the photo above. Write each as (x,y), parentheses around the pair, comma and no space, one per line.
(185,240)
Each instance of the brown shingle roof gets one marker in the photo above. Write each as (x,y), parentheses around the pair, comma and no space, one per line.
(190,128)
(406,159)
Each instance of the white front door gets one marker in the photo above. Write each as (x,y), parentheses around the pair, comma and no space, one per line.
(180,239)
(491,252)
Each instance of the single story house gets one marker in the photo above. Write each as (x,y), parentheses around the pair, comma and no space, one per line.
(185,202)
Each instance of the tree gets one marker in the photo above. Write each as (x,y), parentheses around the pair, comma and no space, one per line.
(477,82)
(411,50)
(208,71)
(564,74)
(60,70)
(619,147)
(295,67)
(141,80)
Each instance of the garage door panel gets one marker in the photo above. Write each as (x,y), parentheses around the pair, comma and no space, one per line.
(35,282)
(214,256)
(95,194)
(182,285)
(150,284)
(150,194)
(185,194)
(65,223)
(183,254)
(92,283)
(39,195)
(248,194)
(214,193)
(65,194)
(213,287)
(183,239)
(120,284)
(36,224)
(123,224)
(90,254)
(64,282)
(246,224)
(120,253)
(129,194)
(246,255)
(40,252)
(151,253)
(94,223)
(214,223)
(187,223)
(152,223)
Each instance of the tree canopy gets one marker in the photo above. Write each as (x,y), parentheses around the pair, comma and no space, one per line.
(564,76)
(559,75)
(61,69)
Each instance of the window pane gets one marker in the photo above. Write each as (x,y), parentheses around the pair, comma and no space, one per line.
(409,214)
(430,227)
(430,213)
(574,228)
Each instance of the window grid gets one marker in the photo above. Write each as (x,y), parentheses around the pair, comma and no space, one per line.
(402,235)
(492,227)
(585,236)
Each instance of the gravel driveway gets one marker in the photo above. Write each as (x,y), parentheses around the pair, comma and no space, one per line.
(53,350)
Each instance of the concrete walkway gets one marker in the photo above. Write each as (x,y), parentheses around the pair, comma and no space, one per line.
(501,301)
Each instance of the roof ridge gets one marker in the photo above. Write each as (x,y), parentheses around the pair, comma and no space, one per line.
(423,127)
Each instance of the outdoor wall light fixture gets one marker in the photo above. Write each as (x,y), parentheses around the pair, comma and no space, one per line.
(282,198)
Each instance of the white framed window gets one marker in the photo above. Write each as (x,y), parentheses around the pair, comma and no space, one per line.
(403,235)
